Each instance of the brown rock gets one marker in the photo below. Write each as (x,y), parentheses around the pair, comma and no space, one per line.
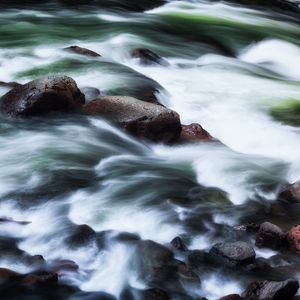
(82,51)
(140,118)
(6,274)
(194,133)
(291,193)
(294,238)
(42,96)
(148,57)
(270,235)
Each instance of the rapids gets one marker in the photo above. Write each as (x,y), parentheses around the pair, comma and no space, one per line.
(229,66)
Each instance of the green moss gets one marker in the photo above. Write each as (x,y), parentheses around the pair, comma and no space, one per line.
(287,112)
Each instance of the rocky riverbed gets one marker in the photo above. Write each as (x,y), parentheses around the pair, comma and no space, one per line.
(149,150)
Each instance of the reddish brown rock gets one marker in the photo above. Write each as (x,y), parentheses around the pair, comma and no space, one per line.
(291,193)
(142,119)
(294,239)
(82,51)
(42,96)
(194,133)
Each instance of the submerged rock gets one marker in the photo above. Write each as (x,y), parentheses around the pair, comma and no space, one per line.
(154,262)
(291,193)
(294,239)
(81,236)
(82,51)
(271,236)
(148,57)
(271,290)
(142,119)
(194,133)
(41,96)
(233,254)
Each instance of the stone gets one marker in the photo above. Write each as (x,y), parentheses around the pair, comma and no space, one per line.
(194,133)
(82,51)
(293,237)
(291,193)
(148,57)
(271,236)
(142,119)
(272,290)
(232,254)
(42,96)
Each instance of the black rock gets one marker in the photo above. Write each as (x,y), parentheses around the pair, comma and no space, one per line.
(42,96)
(82,51)
(271,236)
(148,57)
(272,290)
(232,254)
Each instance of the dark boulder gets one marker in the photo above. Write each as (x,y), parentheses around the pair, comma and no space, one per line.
(231,297)
(148,57)
(194,133)
(42,96)
(155,294)
(291,193)
(154,262)
(294,239)
(271,236)
(9,85)
(82,51)
(142,119)
(81,235)
(178,244)
(232,254)
(271,290)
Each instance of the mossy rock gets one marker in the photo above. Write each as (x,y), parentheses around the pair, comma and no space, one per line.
(287,112)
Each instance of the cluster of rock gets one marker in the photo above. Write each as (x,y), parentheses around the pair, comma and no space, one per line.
(146,118)
(157,265)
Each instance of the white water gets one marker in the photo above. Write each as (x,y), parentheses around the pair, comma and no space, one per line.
(223,94)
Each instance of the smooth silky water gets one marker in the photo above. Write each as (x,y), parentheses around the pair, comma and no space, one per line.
(229,67)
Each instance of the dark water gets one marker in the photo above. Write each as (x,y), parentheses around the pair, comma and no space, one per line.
(232,69)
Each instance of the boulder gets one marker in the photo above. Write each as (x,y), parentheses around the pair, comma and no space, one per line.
(41,96)
(232,254)
(153,262)
(82,51)
(294,239)
(148,57)
(142,119)
(271,290)
(291,193)
(154,294)
(271,236)
(194,133)
(231,297)
(81,236)
(178,244)
(10,85)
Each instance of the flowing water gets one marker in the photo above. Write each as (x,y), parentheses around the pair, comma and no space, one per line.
(229,66)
